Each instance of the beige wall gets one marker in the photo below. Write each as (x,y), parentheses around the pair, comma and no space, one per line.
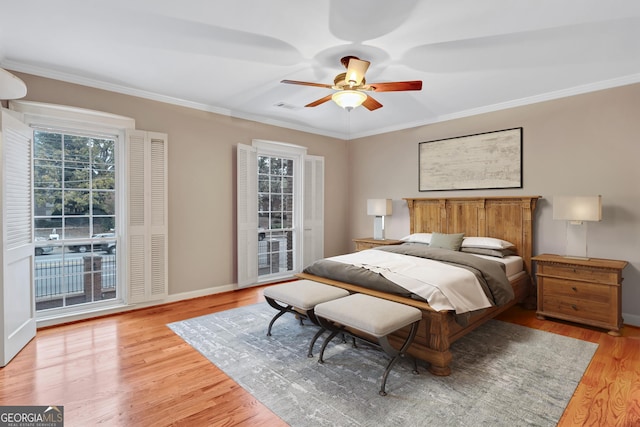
(580,145)
(202,158)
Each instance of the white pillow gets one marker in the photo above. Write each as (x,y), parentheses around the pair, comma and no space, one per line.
(486,243)
(418,238)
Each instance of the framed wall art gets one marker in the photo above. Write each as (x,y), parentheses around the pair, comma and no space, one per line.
(488,160)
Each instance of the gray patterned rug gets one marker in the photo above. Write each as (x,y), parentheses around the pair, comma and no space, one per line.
(503,374)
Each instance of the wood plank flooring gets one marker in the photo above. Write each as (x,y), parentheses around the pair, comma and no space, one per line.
(131,370)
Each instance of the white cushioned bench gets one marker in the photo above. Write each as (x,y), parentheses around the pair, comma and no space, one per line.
(372,316)
(300,298)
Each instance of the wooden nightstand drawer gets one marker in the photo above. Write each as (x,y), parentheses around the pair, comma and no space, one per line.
(581,273)
(577,310)
(578,290)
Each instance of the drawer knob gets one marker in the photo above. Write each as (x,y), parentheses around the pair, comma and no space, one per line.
(575,307)
(574,289)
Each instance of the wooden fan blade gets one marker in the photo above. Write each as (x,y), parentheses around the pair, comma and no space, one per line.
(396,86)
(319,101)
(295,82)
(371,104)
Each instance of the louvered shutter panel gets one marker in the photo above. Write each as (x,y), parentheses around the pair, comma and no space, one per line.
(247,215)
(147,229)
(17,189)
(313,222)
(158,216)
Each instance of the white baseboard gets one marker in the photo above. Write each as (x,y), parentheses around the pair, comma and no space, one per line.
(200,293)
(631,319)
(104,311)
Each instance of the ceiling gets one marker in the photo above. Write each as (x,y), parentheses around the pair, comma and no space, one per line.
(229,56)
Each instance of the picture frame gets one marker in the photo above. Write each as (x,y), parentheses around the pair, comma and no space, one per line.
(490,160)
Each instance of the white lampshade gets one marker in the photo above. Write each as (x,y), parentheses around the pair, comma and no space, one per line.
(349,99)
(577,208)
(379,207)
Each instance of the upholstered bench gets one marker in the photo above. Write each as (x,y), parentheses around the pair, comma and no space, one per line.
(300,298)
(373,317)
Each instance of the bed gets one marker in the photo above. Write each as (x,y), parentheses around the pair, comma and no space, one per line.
(505,218)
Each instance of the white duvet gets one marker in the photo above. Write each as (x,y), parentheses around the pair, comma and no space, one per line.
(444,286)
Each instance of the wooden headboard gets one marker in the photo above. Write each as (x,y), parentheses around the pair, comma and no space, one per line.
(507,218)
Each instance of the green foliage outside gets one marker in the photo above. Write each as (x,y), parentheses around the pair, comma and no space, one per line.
(74,181)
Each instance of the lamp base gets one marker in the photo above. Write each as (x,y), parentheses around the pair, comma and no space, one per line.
(378,228)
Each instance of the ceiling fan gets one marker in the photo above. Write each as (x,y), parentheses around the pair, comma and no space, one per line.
(352,85)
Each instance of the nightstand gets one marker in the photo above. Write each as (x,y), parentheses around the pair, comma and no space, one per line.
(583,291)
(370,242)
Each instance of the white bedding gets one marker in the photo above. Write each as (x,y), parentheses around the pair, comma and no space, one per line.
(432,280)
(513,264)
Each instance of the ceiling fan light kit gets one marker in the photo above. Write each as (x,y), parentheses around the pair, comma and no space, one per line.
(349,99)
(352,85)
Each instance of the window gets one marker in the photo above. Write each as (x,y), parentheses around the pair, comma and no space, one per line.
(275,215)
(99,185)
(74,193)
(280,210)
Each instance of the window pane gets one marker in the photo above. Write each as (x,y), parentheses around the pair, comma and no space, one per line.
(46,227)
(276,184)
(76,175)
(47,145)
(287,185)
(76,202)
(263,183)
(103,179)
(47,202)
(276,220)
(287,220)
(47,173)
(276,166)
(263,221)
(103,225)
(287,203)
(103,153)
(263,202)
(288,168)
(263,164)
(276,203)
(104,203)
(76,228)
(76,148)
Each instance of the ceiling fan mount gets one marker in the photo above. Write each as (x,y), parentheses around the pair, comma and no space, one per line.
(353,81)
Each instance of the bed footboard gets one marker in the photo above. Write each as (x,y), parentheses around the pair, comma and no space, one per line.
(437,329)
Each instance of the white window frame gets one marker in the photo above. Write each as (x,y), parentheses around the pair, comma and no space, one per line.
(308,228)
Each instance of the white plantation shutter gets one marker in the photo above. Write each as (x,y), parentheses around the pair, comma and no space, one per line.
(17,304)
(147,225)
(313,234)
(247,213)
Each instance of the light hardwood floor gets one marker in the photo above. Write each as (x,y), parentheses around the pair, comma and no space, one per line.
(131,370)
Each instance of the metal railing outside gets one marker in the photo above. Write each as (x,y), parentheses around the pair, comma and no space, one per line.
(66,277)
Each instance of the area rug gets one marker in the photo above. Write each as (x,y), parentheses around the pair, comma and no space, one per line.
(502,374)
